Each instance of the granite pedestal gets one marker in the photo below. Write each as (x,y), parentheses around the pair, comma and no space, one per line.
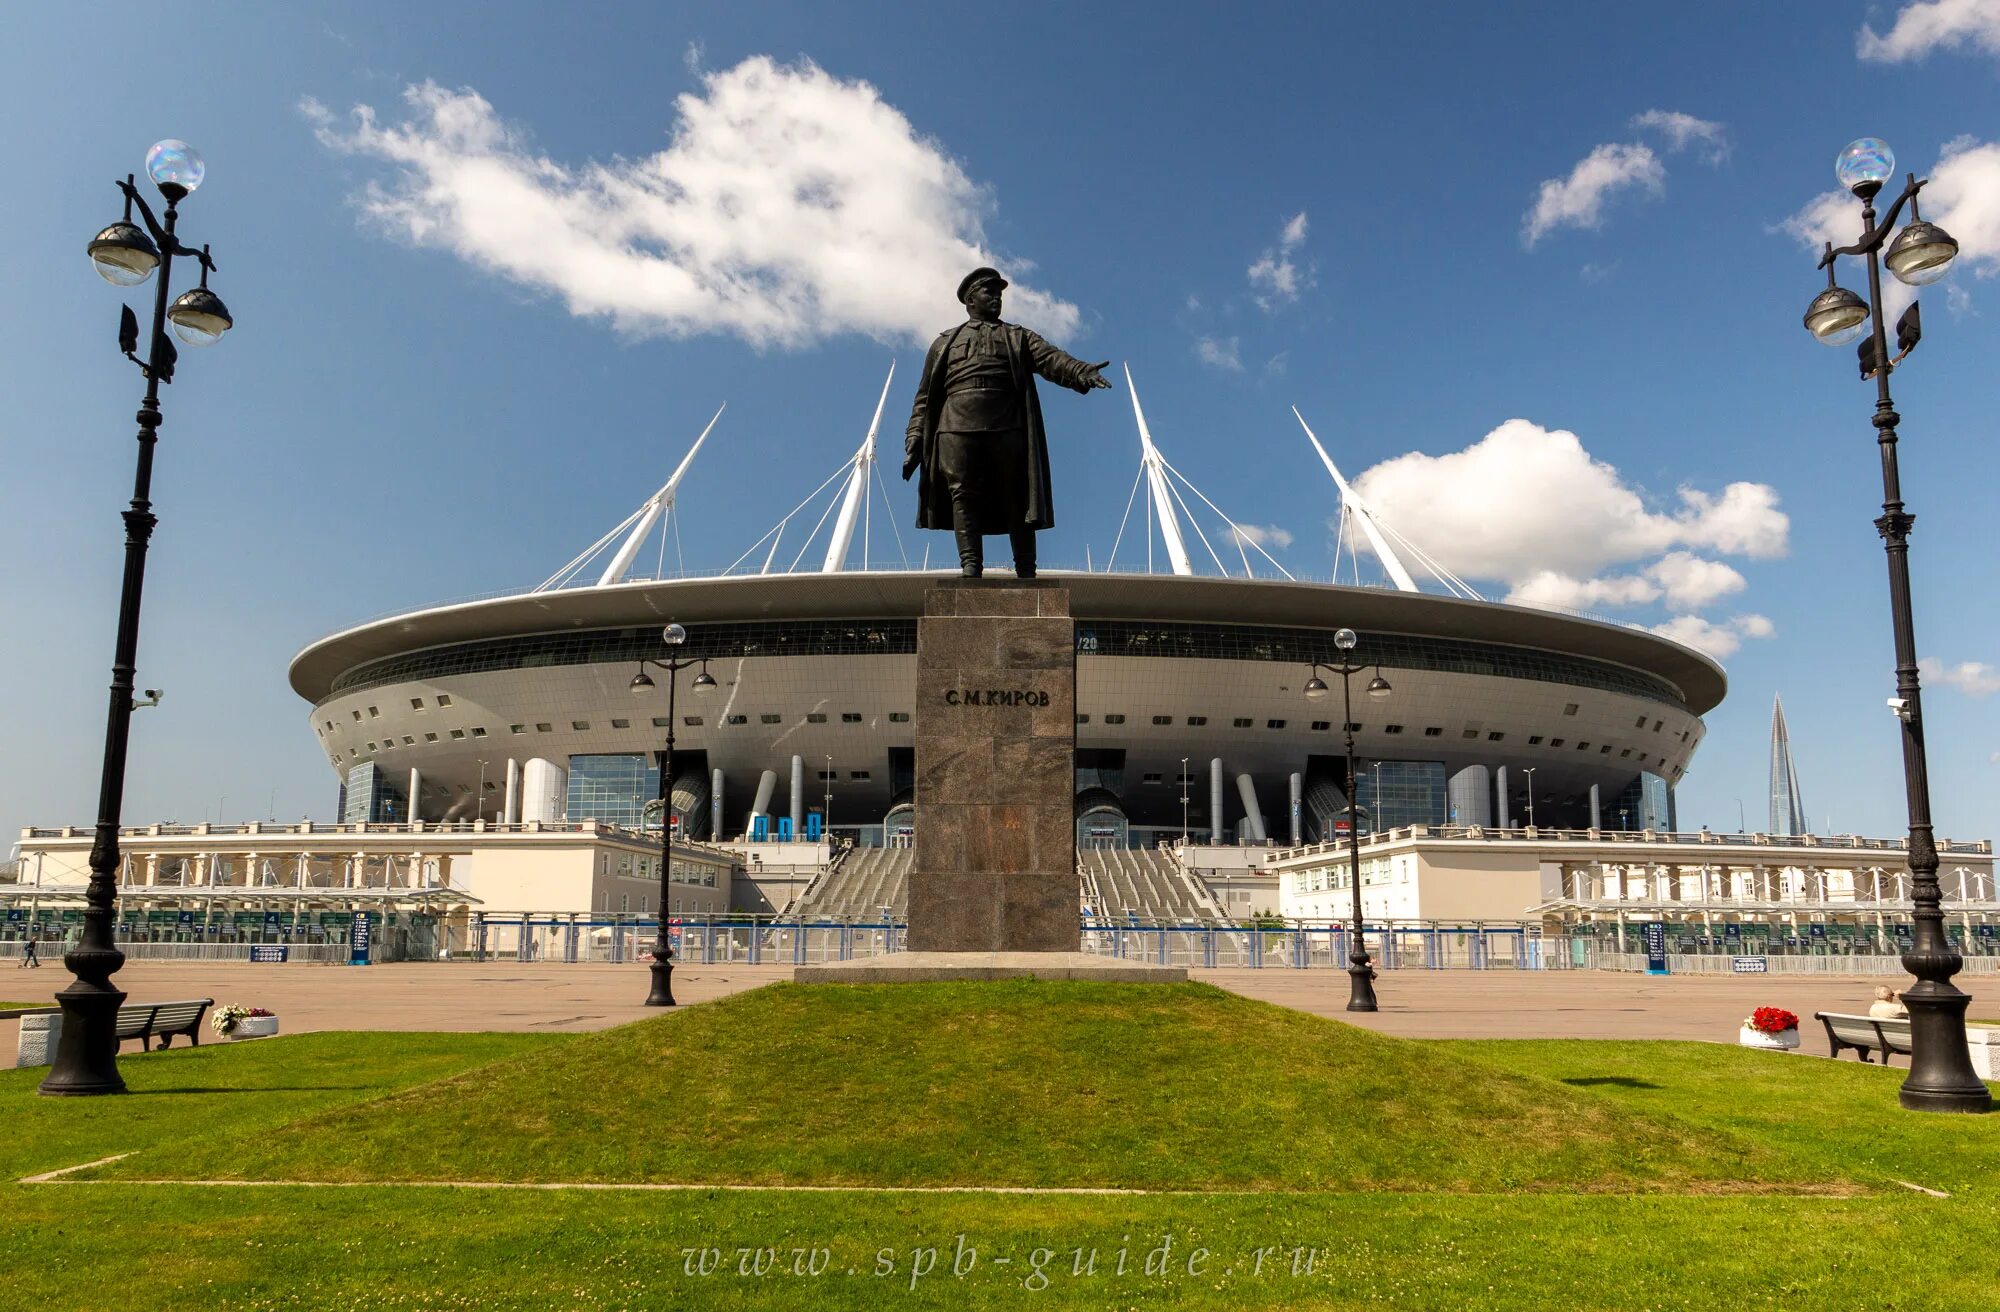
(993,889)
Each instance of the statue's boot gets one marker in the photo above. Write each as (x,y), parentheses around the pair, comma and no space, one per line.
(1023,540)
(971,554)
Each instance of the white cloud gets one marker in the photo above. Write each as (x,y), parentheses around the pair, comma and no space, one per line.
(1593,272)
(1683,130)
(1720,641)
(1934,25)
(1559,591)
(1577,201)
(1973,678)
(1691,583)
(1267,536)
(694,57)
(790,205)
(1222,352)
(1524,500)
(1274,277)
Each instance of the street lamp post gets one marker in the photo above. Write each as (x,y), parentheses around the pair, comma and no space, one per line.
(1529,770)
(1184,803)
(826,818)
(1360,971)
(1941,1076)
(662,994)
(125,255)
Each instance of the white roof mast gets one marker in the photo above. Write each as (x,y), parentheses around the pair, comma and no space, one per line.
(857,490)
(1352,500)
(662,503)
(1156,483)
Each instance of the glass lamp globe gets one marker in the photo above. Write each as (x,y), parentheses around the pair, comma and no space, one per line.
(1921,254)
(199,317)
(123,255)
(1344,639)
(673,635)
(1864,165)
(1837,316)
(175,168)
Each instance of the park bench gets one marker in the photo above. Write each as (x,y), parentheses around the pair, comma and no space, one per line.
(147,1021)
(1865,1034)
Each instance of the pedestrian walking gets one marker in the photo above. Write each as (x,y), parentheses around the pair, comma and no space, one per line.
(29,959)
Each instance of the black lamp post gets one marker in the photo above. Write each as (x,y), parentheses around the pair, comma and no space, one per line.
(673,635)
(1941,1077)
(1361,974)
(125,255)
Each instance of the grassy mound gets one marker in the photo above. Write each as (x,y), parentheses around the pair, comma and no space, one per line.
(1023,1083)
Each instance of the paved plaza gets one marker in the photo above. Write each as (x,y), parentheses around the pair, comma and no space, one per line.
(1415,1004)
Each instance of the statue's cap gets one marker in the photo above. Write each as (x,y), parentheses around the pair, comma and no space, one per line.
(977,276)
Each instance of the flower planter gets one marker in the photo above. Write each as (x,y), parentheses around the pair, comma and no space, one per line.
(1784,1040)
(254,1027)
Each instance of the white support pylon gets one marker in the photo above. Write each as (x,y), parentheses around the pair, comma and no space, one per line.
(1383,551)
(1156,483)
(857,488)
(661,503)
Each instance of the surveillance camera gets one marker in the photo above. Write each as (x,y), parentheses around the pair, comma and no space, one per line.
(1899,707)
(153,694)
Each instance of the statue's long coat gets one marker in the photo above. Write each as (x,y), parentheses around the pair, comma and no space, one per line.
(1027,354)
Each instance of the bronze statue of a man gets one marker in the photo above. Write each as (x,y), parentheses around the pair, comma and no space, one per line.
(976,429)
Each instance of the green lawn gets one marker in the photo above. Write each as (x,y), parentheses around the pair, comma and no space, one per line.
(1021,1083)
(1594,1176)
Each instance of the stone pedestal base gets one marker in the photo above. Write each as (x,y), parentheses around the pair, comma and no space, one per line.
(930,967)
(995,867)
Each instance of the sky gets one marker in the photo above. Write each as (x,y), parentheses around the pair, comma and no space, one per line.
(1535,278)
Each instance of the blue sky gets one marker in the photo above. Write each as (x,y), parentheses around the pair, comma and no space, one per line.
(475,329)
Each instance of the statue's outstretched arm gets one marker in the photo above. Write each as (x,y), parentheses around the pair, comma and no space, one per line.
(1064,369)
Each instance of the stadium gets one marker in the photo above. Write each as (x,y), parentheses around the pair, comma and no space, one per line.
(1191,714)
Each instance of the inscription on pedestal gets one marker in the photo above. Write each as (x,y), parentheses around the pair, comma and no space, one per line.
(995,867)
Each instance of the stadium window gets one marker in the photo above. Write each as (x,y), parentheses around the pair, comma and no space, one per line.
(1321,726)
(409,741)
(1604,750)
(1555,742)
(1657,724)
(580,726)
(859,776)
(374,713)
(1570,709)
(1641,724)
(1470,733)
(816,717)
(661,722)
(1151,779)
(416,703)
(430,737)
(1241,722)
(1626,752)
(371,747)
(1387,728)
(457,734)
(1114,718)
(481,733)
(738,719)
(517,728)
(357,717)
(850,717)
(768,718)
(1495,737)
(1354,728)
(1274,724)
(616,724)
(329,726)
(1163,719)
(1083,719)
(1583,747)
(899,717)
(1534,740)
(444,699)
(545,727)
(1196,721)
(1433,732)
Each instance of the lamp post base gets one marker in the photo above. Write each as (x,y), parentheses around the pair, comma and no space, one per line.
(1361,975)
(1941,1075)
(663,984)
(86,1063)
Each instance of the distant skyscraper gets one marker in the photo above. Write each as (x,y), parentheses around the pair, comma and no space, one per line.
(1788,808)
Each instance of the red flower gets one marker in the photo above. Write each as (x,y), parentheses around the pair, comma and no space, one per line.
(1773,1020)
